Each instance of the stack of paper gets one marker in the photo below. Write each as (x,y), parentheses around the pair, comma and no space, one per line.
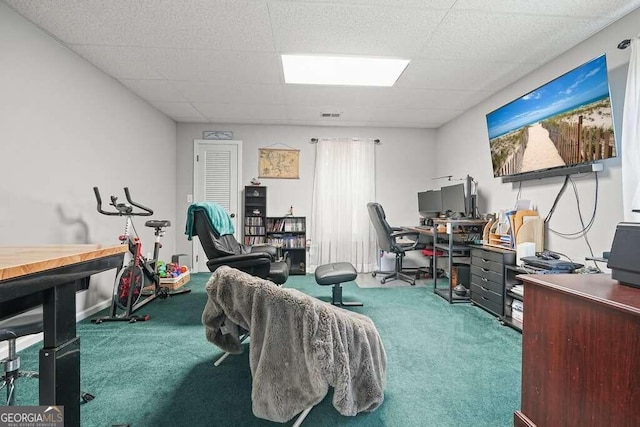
(518,290)
(517,310)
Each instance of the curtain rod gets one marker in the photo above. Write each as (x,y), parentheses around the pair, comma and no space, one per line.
(315,141)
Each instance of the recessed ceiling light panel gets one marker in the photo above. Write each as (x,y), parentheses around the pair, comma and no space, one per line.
(342,70)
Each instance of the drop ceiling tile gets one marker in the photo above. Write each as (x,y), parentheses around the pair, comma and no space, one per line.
(480,36)
(431,4)
(222,54)
(239,25)
(246,113)
(311,95)
(119,61)
(313,113)
(177,109)
(154,90)
(348,29)
(434,98)
(216,66)
(462,75)
(570,8)
(380,116)
(332,95)
(191,119)
(365,124)
(412,115)
(231,93)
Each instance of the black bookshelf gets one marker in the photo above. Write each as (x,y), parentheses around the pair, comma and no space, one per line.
(255,213)
(290,234)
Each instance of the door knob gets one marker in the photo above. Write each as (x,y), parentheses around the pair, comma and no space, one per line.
(232,215)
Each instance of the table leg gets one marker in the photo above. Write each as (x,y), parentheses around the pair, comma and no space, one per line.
(60,355)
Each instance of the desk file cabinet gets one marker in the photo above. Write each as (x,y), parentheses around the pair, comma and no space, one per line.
(487,277)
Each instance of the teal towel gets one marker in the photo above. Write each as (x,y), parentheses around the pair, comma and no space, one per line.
(215,213)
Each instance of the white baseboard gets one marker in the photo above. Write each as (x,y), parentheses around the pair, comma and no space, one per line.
(29,340)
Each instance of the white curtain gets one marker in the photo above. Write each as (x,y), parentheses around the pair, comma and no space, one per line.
(630,145)
(344,183)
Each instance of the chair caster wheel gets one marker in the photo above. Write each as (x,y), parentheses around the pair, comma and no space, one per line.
(87,397)
(373,274)
(383,280)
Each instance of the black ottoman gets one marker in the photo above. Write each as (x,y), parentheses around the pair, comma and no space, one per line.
(335,274)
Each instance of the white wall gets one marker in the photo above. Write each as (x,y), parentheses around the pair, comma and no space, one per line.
(463,147)
(404,166)
(65,127)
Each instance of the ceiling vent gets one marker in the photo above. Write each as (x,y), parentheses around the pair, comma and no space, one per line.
(330,115)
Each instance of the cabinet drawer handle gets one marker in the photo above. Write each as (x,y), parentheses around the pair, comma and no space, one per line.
(484,279)
(486,270)
(485,289)
(484,260)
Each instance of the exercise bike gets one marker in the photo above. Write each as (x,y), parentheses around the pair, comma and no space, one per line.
(137,282)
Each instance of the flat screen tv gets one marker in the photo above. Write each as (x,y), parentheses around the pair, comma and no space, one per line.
(566,122)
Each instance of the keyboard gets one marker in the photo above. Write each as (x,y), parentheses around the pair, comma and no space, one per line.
(551,264)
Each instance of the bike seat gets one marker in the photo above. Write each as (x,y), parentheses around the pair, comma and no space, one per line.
(158,223)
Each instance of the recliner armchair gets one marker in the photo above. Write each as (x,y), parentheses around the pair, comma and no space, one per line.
(388,241)
(258,261)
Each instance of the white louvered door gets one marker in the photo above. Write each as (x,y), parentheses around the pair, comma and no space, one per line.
(217,174)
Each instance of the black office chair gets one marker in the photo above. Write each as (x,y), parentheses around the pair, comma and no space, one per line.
(388,241)
(10,330)
(258,261)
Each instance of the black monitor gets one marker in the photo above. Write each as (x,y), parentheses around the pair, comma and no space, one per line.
(453,199)
(429,203)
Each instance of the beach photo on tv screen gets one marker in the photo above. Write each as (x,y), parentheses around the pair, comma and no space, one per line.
(565,122)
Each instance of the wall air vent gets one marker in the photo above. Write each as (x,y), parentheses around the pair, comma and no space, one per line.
(330,115)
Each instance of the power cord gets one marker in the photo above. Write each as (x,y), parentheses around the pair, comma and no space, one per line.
(518,195)
(555,202)
(585,228)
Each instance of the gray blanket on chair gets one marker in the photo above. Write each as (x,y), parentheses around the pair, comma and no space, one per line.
(299,346)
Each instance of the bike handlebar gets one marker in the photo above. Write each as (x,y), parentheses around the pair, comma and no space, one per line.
(121,208)
(148,211)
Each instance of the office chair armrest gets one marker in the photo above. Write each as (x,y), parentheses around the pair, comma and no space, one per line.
(242,262)
(415,236)
(269,249)
(397,229)
(406,233)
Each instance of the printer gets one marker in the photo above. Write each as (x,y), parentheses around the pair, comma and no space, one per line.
(625,253)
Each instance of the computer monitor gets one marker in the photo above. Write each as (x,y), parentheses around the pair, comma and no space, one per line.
(429,203)
(453,199)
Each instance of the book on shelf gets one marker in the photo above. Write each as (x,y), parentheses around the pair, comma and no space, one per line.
(286,224)
(287,242)
(253,220)
(254,230)
(253,240)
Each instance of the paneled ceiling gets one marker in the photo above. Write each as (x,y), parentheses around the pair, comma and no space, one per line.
(219,61)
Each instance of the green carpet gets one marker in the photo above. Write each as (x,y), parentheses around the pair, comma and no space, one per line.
(448,365)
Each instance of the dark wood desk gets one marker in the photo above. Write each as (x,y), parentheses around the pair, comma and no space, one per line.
(580,352)
(49,275)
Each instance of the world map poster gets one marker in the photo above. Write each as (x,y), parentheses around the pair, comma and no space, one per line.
(279,163)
